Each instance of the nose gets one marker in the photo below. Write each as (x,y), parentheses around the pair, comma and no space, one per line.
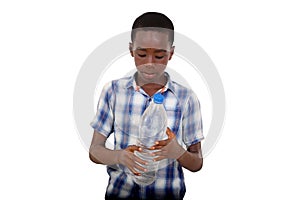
(149,59)
(150,65)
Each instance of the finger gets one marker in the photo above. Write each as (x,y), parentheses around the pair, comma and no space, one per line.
(159,158)
(170,134)
(139,160)
(156,147)
(134,171)
(139,168)
(133,148)
(161,142)
(159,153)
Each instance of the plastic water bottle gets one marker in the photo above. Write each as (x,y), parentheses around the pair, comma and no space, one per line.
(152,128)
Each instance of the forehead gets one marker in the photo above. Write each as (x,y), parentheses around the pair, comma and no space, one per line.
(151,39)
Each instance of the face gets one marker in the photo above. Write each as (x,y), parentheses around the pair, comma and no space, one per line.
(151,51)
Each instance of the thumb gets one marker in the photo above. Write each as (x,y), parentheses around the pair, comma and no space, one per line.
(170,134)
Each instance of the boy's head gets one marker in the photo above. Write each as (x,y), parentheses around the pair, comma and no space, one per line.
(152,38)
(153,21)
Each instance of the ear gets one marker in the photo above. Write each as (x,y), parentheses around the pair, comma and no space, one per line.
(131,48)
(171,52)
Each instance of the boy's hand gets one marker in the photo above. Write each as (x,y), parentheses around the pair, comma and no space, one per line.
(169,148)
(127,158)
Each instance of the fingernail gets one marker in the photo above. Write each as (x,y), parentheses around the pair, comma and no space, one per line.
(145,170)
(156,142)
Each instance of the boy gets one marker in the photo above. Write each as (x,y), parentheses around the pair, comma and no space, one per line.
(122,103)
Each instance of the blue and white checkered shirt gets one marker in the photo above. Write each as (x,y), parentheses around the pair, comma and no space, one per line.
(120,107)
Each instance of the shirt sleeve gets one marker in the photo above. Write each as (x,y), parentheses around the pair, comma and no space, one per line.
(103,120)
(192,121)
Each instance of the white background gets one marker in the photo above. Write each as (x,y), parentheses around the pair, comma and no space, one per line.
(254,45)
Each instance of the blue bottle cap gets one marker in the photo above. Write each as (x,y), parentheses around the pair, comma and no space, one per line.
(158,98)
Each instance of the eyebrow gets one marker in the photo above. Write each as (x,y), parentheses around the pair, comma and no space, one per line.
(156,50)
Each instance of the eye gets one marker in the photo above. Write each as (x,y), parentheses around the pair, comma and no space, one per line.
(159,57)
(142,55)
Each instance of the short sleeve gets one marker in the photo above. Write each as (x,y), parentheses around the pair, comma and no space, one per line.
(103,120)
(192,129)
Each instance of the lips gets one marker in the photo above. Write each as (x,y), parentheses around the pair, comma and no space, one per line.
(148,75)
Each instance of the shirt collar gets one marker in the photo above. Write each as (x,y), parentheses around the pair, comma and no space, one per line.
(169,85)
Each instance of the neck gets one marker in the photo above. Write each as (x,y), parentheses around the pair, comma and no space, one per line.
(160,81)
(152,88)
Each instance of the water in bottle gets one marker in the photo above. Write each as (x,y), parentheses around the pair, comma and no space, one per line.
(152,128)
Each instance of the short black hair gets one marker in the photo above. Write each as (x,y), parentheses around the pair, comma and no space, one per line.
(153,20)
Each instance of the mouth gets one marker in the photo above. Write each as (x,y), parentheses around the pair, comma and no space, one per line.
(148,75)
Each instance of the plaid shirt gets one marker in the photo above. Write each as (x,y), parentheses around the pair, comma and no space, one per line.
(120,108)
